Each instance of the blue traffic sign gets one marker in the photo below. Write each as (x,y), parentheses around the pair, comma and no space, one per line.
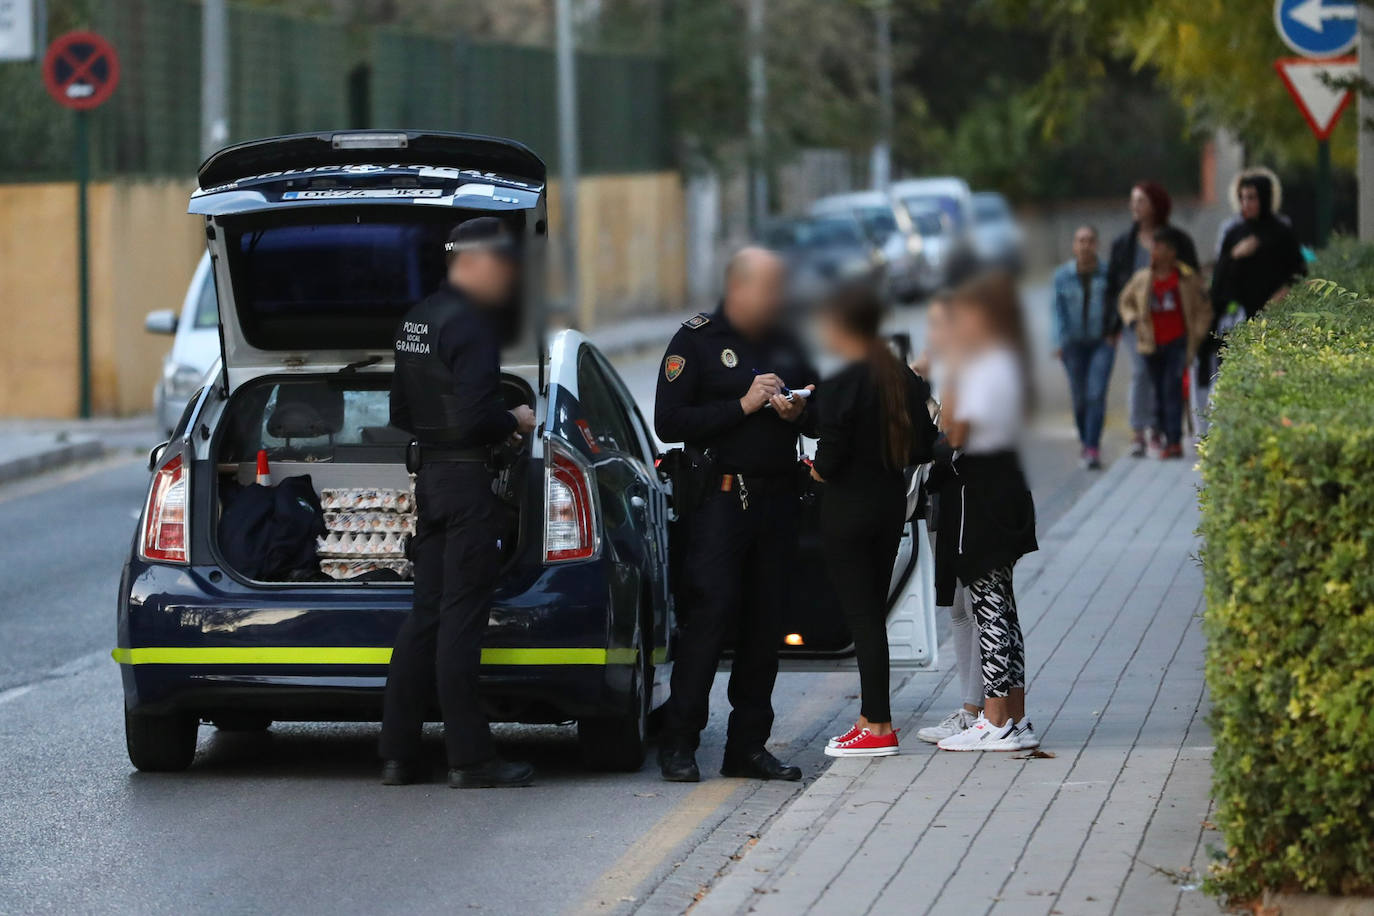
(1318,28)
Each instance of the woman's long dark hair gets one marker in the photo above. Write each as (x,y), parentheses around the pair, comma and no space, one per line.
(859,311)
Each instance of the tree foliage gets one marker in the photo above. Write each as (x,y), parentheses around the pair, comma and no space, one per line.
(1215,57)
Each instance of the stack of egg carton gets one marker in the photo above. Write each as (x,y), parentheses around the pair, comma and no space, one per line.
(367,531)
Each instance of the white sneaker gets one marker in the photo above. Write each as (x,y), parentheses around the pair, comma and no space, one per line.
(1025,737)
(953,724)
(982,735)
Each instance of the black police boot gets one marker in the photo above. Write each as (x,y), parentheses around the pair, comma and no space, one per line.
(678,763)
(400,773)
(491,774)
(757,764)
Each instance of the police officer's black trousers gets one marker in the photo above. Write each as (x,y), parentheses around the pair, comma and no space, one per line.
(735,579)
(440,644)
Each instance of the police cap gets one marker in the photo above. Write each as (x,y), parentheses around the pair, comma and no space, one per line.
(484,233)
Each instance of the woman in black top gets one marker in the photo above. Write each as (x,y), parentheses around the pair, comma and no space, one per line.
(873,424)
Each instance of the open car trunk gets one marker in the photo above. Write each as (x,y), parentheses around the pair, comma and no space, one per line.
(334,429)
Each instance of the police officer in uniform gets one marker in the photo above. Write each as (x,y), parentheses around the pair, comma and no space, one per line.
(446,392)
(721,392)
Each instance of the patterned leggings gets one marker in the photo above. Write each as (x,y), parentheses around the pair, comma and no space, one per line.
(1001,646)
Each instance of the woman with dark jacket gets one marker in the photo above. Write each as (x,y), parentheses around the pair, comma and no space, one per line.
(873,425)
(987,515)
(1151,207)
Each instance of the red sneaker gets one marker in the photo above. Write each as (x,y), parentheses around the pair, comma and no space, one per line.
(865,744)
(841,739)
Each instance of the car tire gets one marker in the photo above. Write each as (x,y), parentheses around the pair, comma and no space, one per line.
(243,722)
(619,743)
(160,743)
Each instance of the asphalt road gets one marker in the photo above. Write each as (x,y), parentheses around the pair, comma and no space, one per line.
(294,819)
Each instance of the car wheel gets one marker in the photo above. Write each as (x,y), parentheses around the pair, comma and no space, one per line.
(618,743)
(243,722)
(160,743)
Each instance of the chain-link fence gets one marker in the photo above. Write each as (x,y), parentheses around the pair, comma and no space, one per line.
(288,74)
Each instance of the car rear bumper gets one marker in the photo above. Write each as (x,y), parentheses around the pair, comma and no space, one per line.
(320,653)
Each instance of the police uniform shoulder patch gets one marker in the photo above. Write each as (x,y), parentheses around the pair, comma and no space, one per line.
(697,322)
(672,367)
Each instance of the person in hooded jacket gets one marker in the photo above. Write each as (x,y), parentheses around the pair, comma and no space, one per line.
(1151,207)
(1260,258)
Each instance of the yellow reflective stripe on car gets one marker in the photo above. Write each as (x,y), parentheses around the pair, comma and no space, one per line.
(365,655)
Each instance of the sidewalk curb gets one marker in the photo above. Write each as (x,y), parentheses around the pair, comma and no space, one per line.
(59,455)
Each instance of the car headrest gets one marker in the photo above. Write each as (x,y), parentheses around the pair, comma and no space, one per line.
(306,412)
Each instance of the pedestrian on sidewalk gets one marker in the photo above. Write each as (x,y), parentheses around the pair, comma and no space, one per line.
(873,425)
(1151,208)
(1084,330)
(987,515)
(1166,309)
(933,366)
(1258,258)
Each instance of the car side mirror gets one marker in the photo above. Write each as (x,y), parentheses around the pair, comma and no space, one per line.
(162,321)
(155,454)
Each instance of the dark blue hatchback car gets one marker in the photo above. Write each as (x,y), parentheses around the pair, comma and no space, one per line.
(319,244)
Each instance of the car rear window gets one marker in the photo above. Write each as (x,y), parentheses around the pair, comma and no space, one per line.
(312,419)
(334,278)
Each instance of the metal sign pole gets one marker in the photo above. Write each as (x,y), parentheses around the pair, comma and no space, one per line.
(1324,193)
(83,180)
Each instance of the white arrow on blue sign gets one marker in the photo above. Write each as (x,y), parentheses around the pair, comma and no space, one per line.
(1318,28)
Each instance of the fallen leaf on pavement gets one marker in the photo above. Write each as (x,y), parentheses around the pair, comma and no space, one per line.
(1036,754)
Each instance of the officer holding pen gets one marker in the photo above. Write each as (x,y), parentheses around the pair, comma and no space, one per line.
(723,391)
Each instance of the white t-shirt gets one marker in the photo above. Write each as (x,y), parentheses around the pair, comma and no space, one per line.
(990,397)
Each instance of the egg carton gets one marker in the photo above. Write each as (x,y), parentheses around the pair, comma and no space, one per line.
(355,522)
(369,545)
(358,499)
(352,569)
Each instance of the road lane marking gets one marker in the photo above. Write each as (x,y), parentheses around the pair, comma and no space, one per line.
(48,480)
(619,882)
(15,693)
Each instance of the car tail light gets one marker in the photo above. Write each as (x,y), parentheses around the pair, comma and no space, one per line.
(570,524)
(164,518)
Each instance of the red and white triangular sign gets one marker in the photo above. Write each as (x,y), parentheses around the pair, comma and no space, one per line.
(1321,105)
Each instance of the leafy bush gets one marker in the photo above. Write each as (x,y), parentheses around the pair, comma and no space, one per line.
(1288,524)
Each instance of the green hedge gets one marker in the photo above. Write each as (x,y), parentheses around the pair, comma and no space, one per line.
(1288,526)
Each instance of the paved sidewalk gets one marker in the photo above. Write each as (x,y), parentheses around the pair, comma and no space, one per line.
(1114,822)
(30,447)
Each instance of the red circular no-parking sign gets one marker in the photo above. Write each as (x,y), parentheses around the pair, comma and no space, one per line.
(81,70)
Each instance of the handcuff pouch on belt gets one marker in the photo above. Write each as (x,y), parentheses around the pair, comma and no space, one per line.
(692,472)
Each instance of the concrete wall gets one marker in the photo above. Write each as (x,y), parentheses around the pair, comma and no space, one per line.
(144,249)
(1049,229)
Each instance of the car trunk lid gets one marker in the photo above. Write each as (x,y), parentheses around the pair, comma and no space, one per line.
(322,242)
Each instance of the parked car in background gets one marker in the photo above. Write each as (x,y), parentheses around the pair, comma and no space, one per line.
(930,224)
(953,198)
(997,238)
(888,228)
(823,252)
(195,345)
